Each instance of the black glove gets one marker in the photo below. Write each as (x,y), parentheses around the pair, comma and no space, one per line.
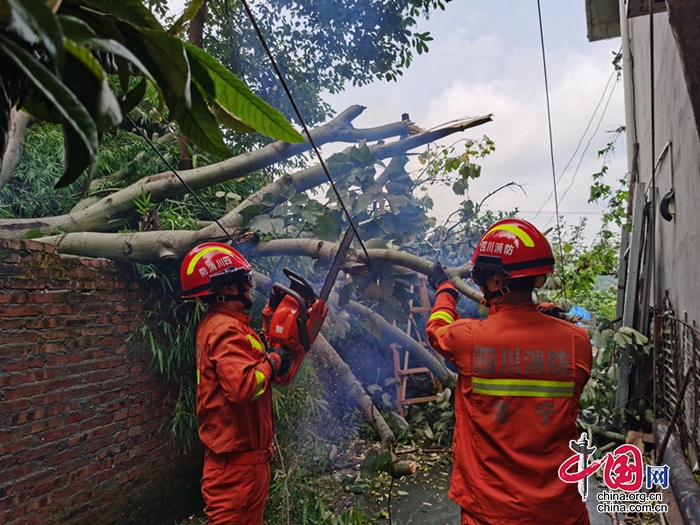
(439,276)
(550,309)
(280,360)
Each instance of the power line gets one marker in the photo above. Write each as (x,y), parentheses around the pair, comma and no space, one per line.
(189,188)
(303,124)
(590,121)
(551,146)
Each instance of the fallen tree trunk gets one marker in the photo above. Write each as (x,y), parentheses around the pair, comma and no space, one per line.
(100,216)
(154,246)
(324,355)
(415,349)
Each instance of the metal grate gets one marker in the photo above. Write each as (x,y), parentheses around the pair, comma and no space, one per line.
(679,350)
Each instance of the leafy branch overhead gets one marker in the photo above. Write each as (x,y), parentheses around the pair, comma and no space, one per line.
(86,65)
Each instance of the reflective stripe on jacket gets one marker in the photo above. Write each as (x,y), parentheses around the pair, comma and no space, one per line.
(521,374)
(234,400)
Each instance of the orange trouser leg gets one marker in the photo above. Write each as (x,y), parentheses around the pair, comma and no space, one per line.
(234,494)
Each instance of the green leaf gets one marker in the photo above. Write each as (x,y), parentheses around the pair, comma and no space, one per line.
(84,56)
(168,57)
(38,104)
(76,29)
(32,19)
(131,99)
(191,10)
(361,154)
(266,224)
(132,11)
(328,227)
(386,399)
(77,158)
(88,81)
(229,120)
(201,127)
(363,201)
(57,93)
(33,234)
(237,98)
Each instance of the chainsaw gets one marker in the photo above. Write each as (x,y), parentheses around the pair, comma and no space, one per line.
(294,315)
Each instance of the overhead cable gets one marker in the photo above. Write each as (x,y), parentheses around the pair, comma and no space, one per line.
(261,37)
(551,148)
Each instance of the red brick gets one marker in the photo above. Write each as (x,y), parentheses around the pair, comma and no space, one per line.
(51,335)
(12,324)
(42,323)
(14,298)
(63,309)
(24,364)
(25,391)
(26,337)
(19,311)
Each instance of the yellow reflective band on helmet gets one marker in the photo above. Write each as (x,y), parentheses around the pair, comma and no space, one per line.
(199,376)
(518,232)
(196,258)
(255,343)
(442,315)
(260,384)
(522,387)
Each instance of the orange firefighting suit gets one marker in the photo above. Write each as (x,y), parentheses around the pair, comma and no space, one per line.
(234,412)
(521,374)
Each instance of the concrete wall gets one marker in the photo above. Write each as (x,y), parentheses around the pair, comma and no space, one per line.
(81,414)
(677,242)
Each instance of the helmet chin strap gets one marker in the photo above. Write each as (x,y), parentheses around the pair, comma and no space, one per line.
(221,298)
(488,295)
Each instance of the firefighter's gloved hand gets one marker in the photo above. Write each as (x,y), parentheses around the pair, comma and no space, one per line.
(438,277)
(280,360)
(550,309)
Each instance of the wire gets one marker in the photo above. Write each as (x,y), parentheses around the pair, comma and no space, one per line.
(189,188)
(583,135)
(573,179)
(303,124)
(551,149)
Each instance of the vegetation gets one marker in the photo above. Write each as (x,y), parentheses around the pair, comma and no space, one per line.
(278,207)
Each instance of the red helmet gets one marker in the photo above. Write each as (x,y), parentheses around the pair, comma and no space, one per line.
(512,248)
(210,266)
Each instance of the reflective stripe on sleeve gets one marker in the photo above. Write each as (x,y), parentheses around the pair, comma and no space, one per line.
(255,343)
(522,387)
(260,384)
(442,315)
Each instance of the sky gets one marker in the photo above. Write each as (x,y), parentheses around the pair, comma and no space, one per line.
(486,57)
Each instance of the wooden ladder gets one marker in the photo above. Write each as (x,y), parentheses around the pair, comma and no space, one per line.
(402,370)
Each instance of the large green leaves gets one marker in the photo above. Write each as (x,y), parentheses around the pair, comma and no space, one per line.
(237,99)
(132,11)
(32,20)
(63,99)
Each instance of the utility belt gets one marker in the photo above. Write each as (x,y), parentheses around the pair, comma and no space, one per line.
(248,457)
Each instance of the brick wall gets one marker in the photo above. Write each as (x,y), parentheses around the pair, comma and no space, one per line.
(81,414)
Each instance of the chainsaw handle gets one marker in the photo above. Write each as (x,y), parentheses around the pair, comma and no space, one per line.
(280,291)
(301,286)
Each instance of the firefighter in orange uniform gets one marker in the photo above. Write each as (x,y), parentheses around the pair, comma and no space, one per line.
(521,374)
(234,375)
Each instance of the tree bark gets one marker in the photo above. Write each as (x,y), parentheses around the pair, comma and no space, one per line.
(324,355)
(15,145)
(101,216)
(147,247)
(415,349)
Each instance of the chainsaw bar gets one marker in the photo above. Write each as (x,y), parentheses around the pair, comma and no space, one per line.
(338,261)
